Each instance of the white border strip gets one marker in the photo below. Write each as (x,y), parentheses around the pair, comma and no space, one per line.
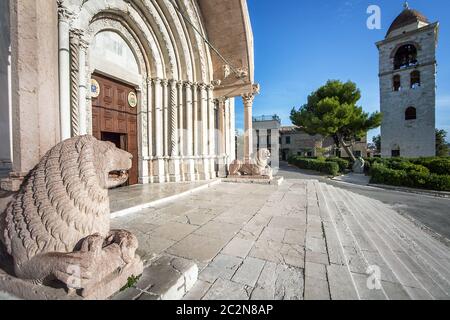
(157,202)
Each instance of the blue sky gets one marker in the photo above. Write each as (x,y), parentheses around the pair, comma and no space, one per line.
(300,44)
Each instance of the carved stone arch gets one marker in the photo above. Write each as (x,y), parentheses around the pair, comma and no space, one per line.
(199,18)
(135,20)
(113,25)
(181,40)
(199,44)
(154,21)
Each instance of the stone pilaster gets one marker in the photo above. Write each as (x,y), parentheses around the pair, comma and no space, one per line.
(181,129)
(166,137)
(204,135)
(195,130)
(65,17)
(158,161)
(211,130)
(190,163)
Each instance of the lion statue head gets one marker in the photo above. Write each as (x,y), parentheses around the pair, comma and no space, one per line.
(262,158)
(64,198)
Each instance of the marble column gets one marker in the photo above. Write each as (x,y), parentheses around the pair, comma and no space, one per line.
(150,129)
(248,126)
(190,163)
(82,86)
(232,131)
(174,161)
(195,129)
(205,174)
(166,138)
(211,130)
(181,128)
(64,71)
(159,173)
(221,133)
(227,135)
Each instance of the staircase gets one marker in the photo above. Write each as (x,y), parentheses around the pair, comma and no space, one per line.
(364,236)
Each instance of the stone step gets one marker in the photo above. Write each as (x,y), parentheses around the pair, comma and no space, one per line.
(166,278)
(430,280)
(435,248)
(342,285)
(433,275)
(356,251)
(401,272)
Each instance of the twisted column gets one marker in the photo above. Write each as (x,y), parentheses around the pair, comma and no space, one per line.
(64,18)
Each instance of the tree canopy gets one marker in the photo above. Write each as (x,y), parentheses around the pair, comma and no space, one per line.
(332,110)
(442,148)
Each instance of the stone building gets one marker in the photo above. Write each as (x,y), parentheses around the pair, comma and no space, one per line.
(294,141)
(266,134)
(408,86)
(156,77)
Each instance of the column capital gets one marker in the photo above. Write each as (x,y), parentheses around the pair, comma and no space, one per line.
(156,81)
(210,87)
(180,84)
(164,82)
(202,86)
(248,99)
(173,82)
(64,14)
(188,84)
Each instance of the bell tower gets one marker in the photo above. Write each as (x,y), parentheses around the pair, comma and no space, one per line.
(408,86)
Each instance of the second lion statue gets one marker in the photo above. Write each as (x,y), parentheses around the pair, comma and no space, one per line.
(60,219)
(259,168)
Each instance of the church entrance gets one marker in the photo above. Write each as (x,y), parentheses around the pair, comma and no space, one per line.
(114,117)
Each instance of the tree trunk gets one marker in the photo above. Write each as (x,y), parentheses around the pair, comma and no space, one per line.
(347,148)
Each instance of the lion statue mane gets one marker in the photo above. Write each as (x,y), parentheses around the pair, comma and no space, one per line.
(258,168)
(61,216)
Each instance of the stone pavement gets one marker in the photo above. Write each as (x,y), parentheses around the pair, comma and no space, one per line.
(301,240)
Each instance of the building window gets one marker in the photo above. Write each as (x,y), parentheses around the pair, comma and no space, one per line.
(415,79)
(299,154)
(288,140)
(269,139)
(411,113)
(406,56)
(395,153)
(397,84)
(310,154)
(357,154)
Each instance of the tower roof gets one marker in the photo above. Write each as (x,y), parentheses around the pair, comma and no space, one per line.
(407,17)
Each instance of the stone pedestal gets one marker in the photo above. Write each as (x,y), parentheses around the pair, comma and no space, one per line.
(174,169)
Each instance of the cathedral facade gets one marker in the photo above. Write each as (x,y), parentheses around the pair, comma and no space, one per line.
(408,86)
(158,78)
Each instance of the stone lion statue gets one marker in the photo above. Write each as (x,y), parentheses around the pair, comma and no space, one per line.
(59,222)
(258,167)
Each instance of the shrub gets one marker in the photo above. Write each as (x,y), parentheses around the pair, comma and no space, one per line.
(331,168)
(435,165)
(342,163)
(413,178)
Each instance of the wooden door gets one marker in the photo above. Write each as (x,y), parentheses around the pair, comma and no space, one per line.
(115,120)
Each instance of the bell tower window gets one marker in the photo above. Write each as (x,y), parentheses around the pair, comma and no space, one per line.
(396,83)
(415,79)
(411,113)
(406,56)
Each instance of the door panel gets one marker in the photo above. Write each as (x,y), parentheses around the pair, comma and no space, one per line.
(113,119)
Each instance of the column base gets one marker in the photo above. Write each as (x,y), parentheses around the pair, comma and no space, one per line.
(206,174)
(159,170)
(174,170)
(190,170)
